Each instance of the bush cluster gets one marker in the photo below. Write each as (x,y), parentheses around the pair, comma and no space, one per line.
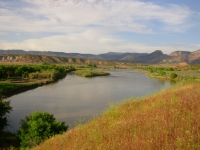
(4,109)
(91,73)
(23,71)
(173,75)
(38,127)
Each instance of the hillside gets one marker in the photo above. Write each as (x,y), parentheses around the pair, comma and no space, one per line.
(153,58)
(106,56)
(156,57)
(194,57)
(39,59)
(168,120)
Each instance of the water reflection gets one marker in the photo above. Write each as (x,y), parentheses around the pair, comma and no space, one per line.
(76,98)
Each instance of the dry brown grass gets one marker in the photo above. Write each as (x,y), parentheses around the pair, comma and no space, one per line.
(168,120)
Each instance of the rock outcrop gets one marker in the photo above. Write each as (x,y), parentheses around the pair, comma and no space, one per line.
(180,56)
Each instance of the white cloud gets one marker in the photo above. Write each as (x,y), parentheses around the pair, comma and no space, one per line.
(2,4)
(2,33)
(89,26)
(71,15)
(17,34)
(90,41)
(195,46)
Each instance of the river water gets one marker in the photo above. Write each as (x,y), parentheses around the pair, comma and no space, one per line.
(76,99)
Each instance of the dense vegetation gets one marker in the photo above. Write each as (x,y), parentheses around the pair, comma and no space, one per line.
(38,127)
(5,108)
(23,71)
(168,120)
(91,73)
(8,86)
(190,72)
(17,76)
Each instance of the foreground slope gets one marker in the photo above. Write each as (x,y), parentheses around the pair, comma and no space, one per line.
(168,120)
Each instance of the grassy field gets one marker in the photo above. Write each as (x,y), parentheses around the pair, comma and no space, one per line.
(190,72)
(168,120)
(8,88)
(4,87)
(91,73)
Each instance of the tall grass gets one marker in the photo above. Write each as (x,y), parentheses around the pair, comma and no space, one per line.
(91,73)
(168,120)
(8,86)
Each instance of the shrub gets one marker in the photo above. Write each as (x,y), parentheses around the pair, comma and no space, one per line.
(92,65)
(4,109)
(38,127)
(91,73)
(162,73)
(173,75)
(150,70)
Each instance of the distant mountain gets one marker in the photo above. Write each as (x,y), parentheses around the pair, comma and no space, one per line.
(38,59)
(156,57)
(106,56)
(113,56)
(47,53)
(194,57)
(180,56)
(152,58)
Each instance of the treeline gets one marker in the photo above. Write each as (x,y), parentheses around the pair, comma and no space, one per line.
(34,71)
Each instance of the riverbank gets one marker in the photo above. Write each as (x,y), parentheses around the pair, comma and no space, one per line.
(167,120)
(94,93)
(10,89)
(15,79)
(175,73)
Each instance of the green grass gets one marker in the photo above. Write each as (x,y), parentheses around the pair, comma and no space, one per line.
(8,86)
(91,73)
(19,78)
(167,120)
(8,89)
(187,74)
(182,75)
(190,72)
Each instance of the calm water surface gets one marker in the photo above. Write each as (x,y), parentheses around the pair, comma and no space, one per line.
(76,99)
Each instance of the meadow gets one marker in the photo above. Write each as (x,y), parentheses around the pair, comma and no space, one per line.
(166,120)
(189,72)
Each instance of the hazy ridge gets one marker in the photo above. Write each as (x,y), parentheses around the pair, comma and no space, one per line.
(156,57)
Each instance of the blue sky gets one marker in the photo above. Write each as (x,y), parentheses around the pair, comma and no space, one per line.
(100,26)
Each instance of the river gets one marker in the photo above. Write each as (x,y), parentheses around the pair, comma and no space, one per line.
(76,99)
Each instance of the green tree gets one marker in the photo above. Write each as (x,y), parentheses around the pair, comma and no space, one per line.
(173,75)
(162,73)
(37,127)
(4,109)
(92,65)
